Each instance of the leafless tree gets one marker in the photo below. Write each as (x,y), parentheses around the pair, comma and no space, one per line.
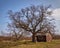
(15,33)
(33,19)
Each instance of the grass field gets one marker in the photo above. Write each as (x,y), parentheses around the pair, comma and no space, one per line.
(29,44)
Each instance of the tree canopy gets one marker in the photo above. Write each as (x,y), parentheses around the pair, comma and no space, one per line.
(33,19)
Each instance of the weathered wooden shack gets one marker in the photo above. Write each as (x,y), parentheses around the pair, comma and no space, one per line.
(43,37)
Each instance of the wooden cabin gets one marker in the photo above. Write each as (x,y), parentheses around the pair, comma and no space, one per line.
(43,37)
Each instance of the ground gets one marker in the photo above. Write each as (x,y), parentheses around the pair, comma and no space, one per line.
(29,44)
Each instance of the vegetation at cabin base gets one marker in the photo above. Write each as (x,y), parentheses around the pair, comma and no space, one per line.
(29,44)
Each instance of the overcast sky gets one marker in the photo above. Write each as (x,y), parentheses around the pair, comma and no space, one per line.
(16,5)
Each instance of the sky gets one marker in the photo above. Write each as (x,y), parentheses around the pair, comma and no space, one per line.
(17,5)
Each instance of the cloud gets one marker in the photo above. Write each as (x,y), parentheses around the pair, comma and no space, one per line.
(56,13)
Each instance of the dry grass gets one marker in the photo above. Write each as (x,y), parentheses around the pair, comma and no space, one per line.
(29,44)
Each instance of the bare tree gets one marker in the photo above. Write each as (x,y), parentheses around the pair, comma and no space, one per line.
(15,33)
(33,19)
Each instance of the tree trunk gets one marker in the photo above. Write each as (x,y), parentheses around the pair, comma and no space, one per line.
(33,38)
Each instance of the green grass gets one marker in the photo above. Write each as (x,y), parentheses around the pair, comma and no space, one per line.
(29,44)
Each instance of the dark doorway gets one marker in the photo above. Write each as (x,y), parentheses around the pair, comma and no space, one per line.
(41,38)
